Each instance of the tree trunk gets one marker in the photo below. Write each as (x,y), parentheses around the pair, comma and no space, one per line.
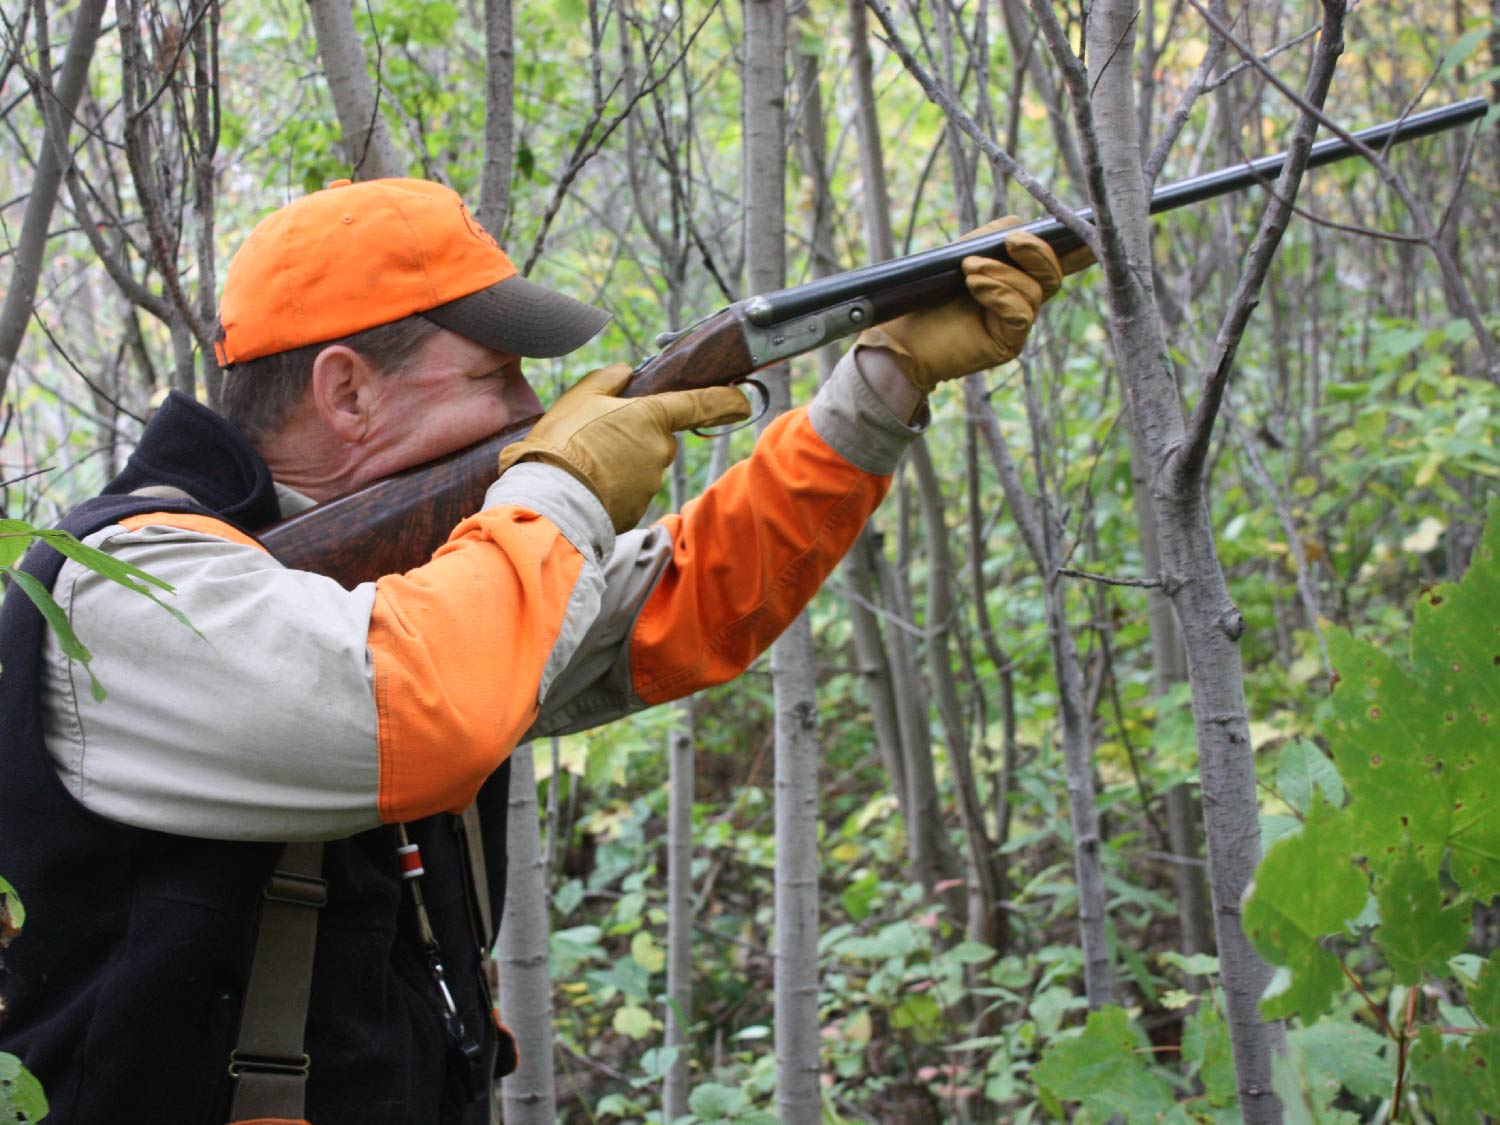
(1169,667)
(52,160)
(680,743)
(798,1093)
(1036,524)
(930,853)
(499,117)
(977,910)
(528,1095)
(367,142)
(1191,574)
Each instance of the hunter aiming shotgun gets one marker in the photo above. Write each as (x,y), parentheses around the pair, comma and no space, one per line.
(395,524)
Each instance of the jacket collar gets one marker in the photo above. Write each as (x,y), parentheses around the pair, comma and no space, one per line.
(187,446)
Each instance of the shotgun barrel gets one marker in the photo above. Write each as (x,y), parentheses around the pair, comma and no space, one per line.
(790,304)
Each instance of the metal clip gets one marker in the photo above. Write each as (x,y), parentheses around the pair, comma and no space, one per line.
(240,1061)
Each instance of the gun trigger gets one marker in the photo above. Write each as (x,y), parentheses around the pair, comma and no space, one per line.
(758,410)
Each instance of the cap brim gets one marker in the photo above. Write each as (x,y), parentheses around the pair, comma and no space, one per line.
(519,317)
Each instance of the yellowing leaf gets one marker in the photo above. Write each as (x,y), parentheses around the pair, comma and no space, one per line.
(846,852)
(1425,538)
(646,953)
(1428,470)
(633,1021)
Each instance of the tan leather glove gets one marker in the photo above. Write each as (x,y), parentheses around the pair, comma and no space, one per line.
(984,329)
(621,447)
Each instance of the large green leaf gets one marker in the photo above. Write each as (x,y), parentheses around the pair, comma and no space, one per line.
(1339,1055)
(1462,1079)
(1305,888)
(1416,933)
(21,1095)
(1416,745)
(1105,1069)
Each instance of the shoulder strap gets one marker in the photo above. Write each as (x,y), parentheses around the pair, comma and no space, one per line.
(473,846)
(269,1065)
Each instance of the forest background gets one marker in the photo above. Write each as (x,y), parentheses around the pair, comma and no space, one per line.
(976,842)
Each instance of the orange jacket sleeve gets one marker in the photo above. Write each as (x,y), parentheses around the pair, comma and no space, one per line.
(462,646)
(747,556)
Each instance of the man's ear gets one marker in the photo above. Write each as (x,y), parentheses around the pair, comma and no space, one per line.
(343,386)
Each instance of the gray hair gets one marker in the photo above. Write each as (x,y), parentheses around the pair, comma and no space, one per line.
(258,395)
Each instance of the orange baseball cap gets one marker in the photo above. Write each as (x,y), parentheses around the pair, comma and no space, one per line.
(355,256)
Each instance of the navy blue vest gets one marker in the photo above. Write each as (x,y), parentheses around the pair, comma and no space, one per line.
(123,991)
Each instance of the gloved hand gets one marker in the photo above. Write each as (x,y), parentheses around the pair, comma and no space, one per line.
(987,327)
(621,447)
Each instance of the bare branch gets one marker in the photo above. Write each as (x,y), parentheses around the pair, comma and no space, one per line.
(940,96)
(1452,276)
(1107,580)
(1188,460)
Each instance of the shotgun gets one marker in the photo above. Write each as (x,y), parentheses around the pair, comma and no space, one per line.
(396,523)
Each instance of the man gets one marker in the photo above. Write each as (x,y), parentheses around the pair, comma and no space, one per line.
(365,329)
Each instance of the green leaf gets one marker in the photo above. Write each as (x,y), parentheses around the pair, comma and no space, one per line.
(1347,392)
(1306,887)
(1484,996)
(1303,768)
(1205,1044)
(1415,745)
(15,537)
(12,913)
(1343,1055)
(100,562)
(1194,965)
(1462,48)
(971,953)
(57,621)
(1462,1079)
(920,1012)
(1416,932)
(21,1095)
(713,1102)
(1104,1069)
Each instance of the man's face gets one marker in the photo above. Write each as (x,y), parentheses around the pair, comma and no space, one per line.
(453,394)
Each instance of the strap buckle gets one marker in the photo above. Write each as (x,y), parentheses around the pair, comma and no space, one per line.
(297,889)
(242,1061)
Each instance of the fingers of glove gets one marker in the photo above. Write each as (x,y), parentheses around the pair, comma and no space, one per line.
(608,381)
(994,226)
(1010,300)
(1037,259)
(998,285)
(707,406)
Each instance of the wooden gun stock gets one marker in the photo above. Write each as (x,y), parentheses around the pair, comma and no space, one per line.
(395,524)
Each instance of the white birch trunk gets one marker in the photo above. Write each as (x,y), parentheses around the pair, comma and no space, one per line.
(529,1095)
(798,1096)
(1191,574)
(367,142)
(681,767)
